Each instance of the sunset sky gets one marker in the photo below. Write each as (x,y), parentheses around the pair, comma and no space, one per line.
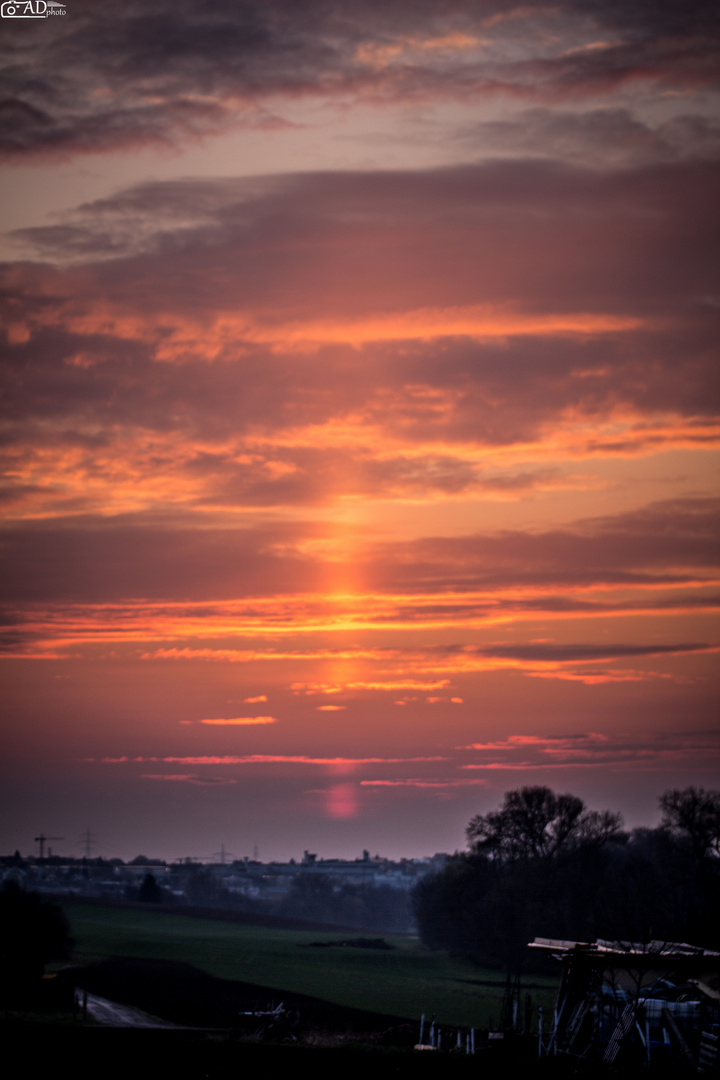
(359,418)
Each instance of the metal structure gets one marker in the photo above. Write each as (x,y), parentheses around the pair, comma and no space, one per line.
(42,840)
(648,1004)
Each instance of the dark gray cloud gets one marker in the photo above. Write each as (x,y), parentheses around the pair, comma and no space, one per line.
(668,543)
(610,750)
(110,77)
(86,560)
(588,653)
(124,559)
(601,137)
(342,243)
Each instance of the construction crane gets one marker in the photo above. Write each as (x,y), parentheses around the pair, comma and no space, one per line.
(41,839)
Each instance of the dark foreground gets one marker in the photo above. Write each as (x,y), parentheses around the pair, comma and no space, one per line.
(182,994)
(215,1038)
(191,1055)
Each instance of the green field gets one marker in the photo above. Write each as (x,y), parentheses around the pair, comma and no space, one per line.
(406,981)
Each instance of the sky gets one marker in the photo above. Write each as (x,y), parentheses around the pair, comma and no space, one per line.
(359,418)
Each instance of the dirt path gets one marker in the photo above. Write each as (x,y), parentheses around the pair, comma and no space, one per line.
(115,1015)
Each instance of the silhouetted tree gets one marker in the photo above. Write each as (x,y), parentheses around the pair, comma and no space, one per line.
(535,823)
(693,814)
(543,865)
(536,866)
(691,817)
(33,931)
(150,892)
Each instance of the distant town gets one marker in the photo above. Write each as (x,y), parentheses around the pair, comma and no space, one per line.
(367,891)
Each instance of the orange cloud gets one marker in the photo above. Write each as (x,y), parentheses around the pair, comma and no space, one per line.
(378,57)
(593,678)
(417,783)
(376,684)
(473,321)
(71,626)
(242,720)
(215,334)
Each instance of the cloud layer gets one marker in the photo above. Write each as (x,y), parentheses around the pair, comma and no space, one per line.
(114,79)
(406,435)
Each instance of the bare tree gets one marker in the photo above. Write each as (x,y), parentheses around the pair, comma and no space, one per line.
(535,823)
(693,814)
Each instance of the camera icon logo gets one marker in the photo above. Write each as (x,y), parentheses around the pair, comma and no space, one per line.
(30,9)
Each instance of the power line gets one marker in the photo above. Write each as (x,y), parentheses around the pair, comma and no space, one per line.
(87,839)
(222,854)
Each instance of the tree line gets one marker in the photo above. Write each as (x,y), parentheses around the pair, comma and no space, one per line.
(544,865)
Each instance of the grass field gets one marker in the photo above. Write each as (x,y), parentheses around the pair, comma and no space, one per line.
(405,981)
